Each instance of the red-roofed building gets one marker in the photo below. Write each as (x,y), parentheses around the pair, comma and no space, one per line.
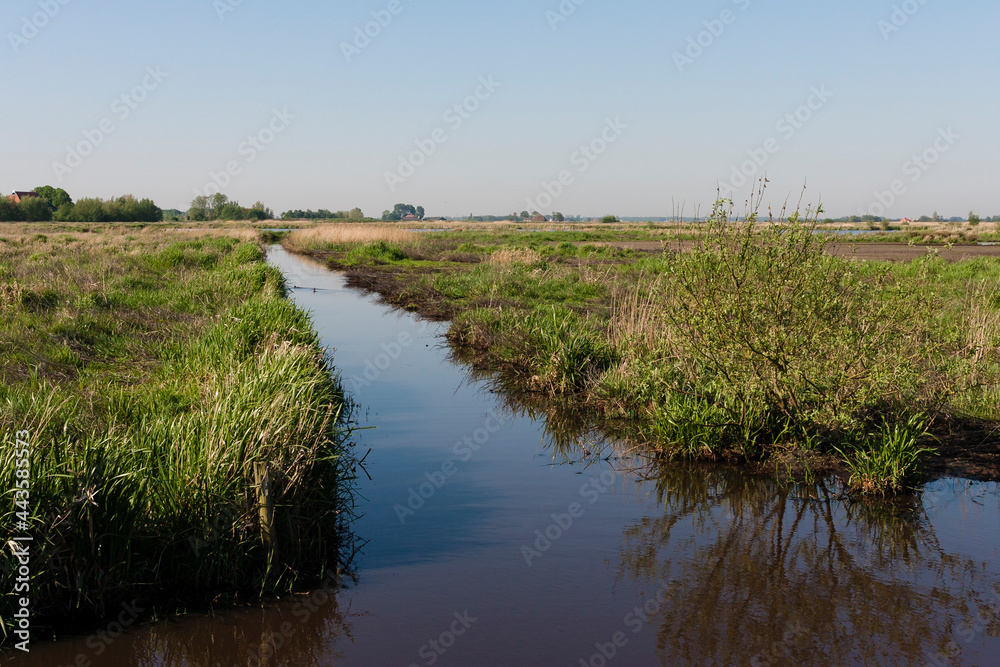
(18,196)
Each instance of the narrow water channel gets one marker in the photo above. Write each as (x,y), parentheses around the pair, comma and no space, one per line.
(487,543)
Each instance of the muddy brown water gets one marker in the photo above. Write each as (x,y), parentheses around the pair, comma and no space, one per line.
(491,541)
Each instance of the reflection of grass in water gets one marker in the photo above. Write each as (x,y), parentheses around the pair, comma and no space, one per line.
(285,634)
(567,430)
(797,575)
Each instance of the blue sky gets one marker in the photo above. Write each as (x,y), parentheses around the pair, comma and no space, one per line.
(329,127)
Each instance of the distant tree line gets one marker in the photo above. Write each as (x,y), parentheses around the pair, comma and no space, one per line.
(855,219)
(31,209)
(972,218)
(400,211)
(56,204)
(220,207)
(487,218)
(323,214)
(524,216)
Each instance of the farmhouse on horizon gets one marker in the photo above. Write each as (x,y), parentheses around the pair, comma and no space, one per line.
(18,196)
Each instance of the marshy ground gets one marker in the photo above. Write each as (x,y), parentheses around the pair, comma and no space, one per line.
(774,345)
(135,356)
(144,356)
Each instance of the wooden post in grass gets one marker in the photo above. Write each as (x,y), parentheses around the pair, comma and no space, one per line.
(265,502)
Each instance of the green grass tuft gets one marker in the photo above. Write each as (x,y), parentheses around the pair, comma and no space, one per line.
(889,461)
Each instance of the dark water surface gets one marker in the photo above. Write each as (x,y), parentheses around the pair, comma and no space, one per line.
(490,542)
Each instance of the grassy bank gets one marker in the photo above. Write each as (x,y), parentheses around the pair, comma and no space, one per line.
(751,344)
(158,378)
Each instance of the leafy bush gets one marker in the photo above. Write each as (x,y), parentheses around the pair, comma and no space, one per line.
(778,334)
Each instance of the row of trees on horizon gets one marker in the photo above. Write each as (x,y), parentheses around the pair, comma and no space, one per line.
(220,207)
(55,204)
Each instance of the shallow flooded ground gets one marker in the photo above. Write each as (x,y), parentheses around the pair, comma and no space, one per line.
(486,540)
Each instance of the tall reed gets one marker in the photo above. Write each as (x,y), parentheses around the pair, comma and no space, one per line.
(325,237)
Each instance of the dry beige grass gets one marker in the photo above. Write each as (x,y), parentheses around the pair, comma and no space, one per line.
(507,256)
(635,315)
(102,233)
(240,233)
(10,294)
(984,325)
(67,257)
(323,236)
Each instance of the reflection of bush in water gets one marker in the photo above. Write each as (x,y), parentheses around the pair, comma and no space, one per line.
(785,575)
(799,575)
